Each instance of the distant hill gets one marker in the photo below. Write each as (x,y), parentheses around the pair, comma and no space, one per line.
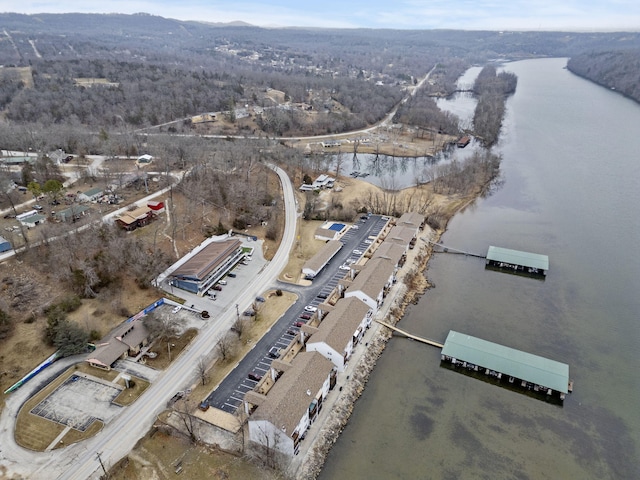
(618,70)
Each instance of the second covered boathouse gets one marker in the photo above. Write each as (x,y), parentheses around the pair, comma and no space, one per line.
(521,369)
(532,263)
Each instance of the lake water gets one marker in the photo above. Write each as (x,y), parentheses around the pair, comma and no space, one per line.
(571,171)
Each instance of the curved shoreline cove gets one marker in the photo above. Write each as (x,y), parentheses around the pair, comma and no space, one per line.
(569,168)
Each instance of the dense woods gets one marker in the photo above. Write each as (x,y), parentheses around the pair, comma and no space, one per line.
(491,89)
(616,69)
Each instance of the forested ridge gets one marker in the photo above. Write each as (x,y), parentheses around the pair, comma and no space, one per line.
(616,69)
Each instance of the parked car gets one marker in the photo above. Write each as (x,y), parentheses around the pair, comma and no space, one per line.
(369,242)
(260,299)
(298,324)
(323,295)
(254,376)
(291,331)
(344,267)
(355,227)
(249,313)
(204,406)
(222,282)
(305,316)
(217,287)
(38,207)
(231,275)
(310,308)
(357,252)
(274,352)
(176,309)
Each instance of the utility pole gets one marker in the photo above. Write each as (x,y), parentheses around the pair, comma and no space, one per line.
(237,312)
(102,464)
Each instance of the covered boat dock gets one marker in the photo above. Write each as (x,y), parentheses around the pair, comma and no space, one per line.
(517,260)
(519,368)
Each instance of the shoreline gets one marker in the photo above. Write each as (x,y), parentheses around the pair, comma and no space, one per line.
(326,431)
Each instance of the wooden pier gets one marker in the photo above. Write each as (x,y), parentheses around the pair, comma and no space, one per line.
(413,337)
(446,249)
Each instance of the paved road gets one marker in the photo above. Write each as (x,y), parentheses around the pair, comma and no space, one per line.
(229,394)
(80,461)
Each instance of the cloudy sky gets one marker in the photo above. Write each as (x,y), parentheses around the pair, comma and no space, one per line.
(583,15)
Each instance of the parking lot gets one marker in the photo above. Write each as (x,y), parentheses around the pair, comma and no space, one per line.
(230,393)
(79,401)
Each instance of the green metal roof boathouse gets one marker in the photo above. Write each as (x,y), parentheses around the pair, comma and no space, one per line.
(521,368)
(518,261)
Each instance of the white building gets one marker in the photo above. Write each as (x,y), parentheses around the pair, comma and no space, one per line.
(280,419)
(371,283)
(340,331)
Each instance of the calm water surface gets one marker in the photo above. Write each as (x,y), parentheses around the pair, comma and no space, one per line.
(571,168)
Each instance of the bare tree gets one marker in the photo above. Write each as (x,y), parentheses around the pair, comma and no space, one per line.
(203,371)
(226,346)
(183,409)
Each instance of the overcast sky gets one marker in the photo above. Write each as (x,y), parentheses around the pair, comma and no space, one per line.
(583,15)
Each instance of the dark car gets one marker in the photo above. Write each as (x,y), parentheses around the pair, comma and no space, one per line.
(217,287)
(305,316)
(323,295)
(260,299)
(298,324)
(291,331)
(254,376)
(274,352)
(249,313)
(231,275)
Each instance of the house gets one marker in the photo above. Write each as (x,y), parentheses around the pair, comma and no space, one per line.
(157,207)
(91,195)
(280,419)
(340,330)
(72,214)
(204,268)
(31,218)
(127,340)
(463,141)
(132,219)
(144,160)
(323,181)
(321,259)
(371,284)
(5,245)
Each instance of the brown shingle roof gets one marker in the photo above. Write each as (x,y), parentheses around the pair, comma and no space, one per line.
(134,215)
(401,235)
(373,277)
(207,259)
(390,250)
(325,254)
(338,327)
(120,340)
(288,400)
(411,219)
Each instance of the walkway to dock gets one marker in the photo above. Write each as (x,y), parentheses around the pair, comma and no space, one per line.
(455,250)
(433,343)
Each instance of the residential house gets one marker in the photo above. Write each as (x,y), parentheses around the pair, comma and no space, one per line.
(31,218)
(91,195)
(127,340)
(72,214)
(138,217)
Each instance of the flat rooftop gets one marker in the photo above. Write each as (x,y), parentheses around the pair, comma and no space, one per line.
(516,257)
(508,361)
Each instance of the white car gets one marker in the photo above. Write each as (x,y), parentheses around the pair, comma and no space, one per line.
(310,308)
(176,309)
(357,252)
(355,227)
(344,267)
(222,282)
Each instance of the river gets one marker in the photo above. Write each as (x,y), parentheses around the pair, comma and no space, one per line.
(570,191)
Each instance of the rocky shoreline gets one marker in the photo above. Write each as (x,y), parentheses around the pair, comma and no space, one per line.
(392,312)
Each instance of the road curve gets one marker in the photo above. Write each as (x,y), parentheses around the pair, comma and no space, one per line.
(80,461)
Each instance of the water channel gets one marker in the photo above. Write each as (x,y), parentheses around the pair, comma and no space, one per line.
(570,171)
